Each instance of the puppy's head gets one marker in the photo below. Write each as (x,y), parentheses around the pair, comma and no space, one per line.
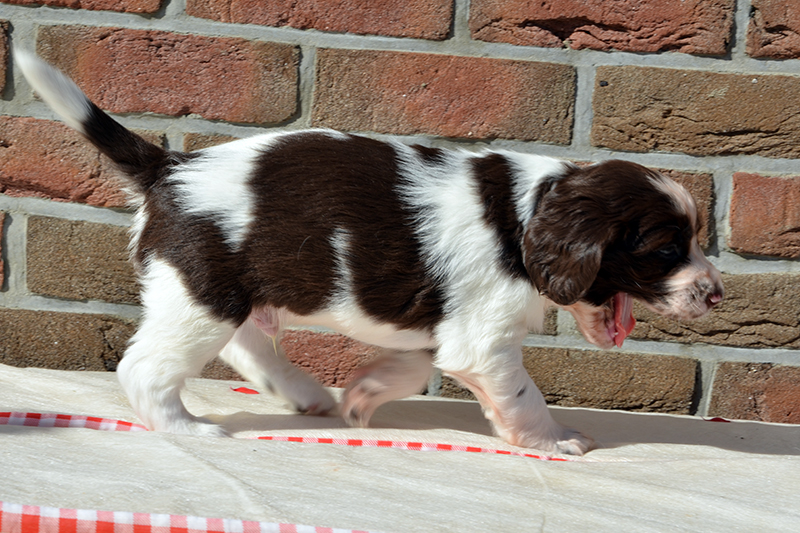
(605,234)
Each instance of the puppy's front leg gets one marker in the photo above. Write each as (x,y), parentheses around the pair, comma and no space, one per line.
(516,407)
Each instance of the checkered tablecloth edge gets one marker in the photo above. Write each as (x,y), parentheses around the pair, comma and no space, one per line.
(17,518)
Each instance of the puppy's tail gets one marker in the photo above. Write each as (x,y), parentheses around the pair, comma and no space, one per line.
(140,160)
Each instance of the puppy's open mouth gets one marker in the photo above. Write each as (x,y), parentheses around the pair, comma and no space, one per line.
(622,307)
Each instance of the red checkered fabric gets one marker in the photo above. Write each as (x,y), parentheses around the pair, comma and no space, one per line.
(16,518)
(34,519)
(402,445)
(108,424)
(54,420)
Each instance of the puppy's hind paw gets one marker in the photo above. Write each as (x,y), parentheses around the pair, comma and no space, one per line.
(194,426)
(391,376)
(304,394)
(573,442)
(358,402)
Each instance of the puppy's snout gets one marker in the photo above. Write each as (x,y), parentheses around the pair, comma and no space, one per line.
(713,289)
(714,298)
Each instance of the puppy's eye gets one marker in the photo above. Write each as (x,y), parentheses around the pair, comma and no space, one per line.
(670,251)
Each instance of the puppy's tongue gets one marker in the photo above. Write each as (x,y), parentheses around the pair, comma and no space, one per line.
(623,317)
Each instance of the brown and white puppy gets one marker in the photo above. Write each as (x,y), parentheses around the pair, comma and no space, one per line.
(444,258)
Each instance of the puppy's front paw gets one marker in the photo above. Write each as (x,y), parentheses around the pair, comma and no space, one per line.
(553,439)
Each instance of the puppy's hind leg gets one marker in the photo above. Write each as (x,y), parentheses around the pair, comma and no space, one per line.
(177,337)
(391,376)
(255,353)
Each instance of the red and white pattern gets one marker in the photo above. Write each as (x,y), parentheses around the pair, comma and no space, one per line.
(403,445)
(16,518)
(54,420)
(108,424)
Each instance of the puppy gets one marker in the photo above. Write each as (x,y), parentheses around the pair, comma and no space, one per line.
(444,258)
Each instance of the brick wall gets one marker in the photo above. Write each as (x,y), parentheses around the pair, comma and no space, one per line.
(705,90)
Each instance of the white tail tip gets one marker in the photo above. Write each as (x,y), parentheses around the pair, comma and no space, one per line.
(56,89)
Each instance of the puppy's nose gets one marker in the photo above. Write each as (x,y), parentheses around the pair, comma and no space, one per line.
(714,298)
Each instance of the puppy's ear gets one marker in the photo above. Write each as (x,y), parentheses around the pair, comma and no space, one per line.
(564,242)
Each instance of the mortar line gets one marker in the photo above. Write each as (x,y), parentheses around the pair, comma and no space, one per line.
(173,9)
(65,210)
(700,351)
(723,191)
(307,72)
(708,373)
(35,302)
(583,112)
(15,250)
(461,34)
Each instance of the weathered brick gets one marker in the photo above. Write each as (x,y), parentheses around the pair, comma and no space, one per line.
(701,187)
(79,260)
(46,159)
(331,358)
(611,380)
(64,341)
(215,77)
(702,113)
(766,392)
(422,19)
(764,215)
(690,26)
(759,311)
(49,160)
(128,6)
(198,141)
(408,93)
(774,29)
(4,26)
(605,380)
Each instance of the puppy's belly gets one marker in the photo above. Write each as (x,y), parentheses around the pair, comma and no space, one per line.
(364,329)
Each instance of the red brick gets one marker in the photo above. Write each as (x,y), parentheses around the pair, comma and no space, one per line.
(135,71)
(764,216)
(331,358)
(774,29)
(49,160)
(690,26)
(407,93)
(422,19)
(748,391)
(643,109)
(4,26)
(128,6)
